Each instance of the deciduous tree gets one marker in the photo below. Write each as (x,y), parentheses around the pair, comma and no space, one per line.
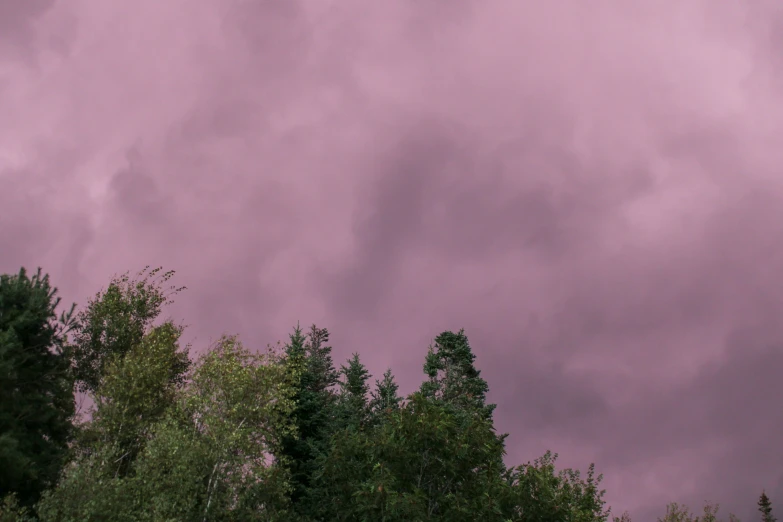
(115,321)
(206,458)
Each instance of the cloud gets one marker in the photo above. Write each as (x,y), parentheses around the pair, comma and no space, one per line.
(591,190)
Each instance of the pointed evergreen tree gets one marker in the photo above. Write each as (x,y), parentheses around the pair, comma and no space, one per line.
(424,462)
(452,377)
(385,397)
(356,375)
(352,407)
(765,506)
(454,381)
(36,403)
(309,356)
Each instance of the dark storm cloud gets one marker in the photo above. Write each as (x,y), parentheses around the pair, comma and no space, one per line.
(135,191)
(391,219)
(17,19)
(592,192)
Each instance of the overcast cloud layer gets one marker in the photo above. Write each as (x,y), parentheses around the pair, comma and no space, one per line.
(592,189)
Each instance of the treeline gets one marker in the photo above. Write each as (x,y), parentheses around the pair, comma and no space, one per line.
(242,434)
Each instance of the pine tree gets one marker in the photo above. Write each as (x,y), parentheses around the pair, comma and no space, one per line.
(765,507)
(356,376)
(309,357)
(424,462)
(454,381)
(352,407)
(36,403)
(452,377)
(384,399)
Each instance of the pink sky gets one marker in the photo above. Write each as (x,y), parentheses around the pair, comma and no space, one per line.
(591,189)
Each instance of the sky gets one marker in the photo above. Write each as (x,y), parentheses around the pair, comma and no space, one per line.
(591,189)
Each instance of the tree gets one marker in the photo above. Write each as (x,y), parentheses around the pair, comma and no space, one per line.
(309,358)
(36,405)
(11,511)
(135,393)
(452,377)
(681,513)
(116,325)
(208,461)
(115,321)
(454,381)
(537,492)
(131,370)
(385,394)
(384,400)
(765,507)
(424,463)
(204,459)
(351,406)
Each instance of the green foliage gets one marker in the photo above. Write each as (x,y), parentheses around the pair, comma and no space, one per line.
(209,458)
(385,397)
(36,404)
(423,464)
(244,436)
(681,513)
(11,511)
(115,321)
(89,491)
(135,392)
(309,356)
(538,492)
(351,407)
(765,507)
(204,456)
(355,378)
(452,377)
(454,381)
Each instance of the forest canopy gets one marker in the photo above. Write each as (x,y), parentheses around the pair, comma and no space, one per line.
(240,433)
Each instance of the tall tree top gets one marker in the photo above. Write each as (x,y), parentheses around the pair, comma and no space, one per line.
(385,395)
(452,376)
(765,507)
(315,355)
(116,320)
(355,377)
(36,401)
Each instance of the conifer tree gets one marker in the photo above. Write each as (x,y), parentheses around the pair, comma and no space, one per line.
(352,407)
(424,462)
(765,507)
(452,376)
(309,356)
(454,381)
(384,399)
(36,402)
